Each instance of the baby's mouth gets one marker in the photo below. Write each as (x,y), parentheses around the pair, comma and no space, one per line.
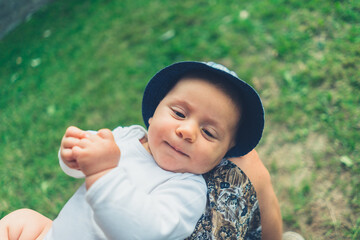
(177,150)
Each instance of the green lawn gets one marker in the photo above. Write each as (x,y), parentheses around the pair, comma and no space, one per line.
(86,63)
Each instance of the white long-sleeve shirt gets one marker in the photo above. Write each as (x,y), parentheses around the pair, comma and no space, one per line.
(135,200)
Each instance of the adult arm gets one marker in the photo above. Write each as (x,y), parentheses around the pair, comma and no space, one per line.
(271,221)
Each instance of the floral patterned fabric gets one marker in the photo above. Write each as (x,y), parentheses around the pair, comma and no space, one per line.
(232,210)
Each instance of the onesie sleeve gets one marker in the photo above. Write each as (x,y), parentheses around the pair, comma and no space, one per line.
(169,212)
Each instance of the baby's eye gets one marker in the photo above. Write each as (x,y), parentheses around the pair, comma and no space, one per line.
(179,114)
(208,133)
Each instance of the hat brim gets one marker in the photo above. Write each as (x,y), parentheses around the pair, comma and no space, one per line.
(252,122)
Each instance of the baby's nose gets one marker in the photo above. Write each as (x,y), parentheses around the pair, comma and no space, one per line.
(188,131)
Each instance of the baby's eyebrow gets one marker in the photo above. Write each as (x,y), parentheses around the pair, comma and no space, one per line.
(186,104)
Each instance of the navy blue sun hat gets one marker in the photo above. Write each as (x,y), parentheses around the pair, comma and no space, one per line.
(252,118)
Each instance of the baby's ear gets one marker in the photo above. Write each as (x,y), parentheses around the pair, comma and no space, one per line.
(233,143)
(150,120)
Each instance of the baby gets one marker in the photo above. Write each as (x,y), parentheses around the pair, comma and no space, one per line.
(148,185)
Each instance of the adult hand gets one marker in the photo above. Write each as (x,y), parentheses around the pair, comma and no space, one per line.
(24,224)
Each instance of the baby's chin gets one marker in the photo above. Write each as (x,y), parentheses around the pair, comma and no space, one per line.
(182,165)
(182,170)
(168,165)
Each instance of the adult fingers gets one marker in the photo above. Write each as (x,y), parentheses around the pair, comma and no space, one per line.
(45,230)
(3,231)
(12,219)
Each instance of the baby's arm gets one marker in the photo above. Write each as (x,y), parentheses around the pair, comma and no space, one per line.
(24,224)
(170,211)
(93,154)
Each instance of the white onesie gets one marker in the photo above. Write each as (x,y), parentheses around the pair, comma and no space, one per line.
(135,200)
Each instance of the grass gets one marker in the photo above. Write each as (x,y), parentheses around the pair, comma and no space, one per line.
(86,63)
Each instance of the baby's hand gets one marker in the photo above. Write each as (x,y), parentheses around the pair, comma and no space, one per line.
(71,138)
(96,153)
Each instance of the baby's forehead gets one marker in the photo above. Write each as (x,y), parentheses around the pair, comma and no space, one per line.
(223,86)
(201,85)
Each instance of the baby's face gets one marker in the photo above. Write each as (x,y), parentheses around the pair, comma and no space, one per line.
(193,127)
